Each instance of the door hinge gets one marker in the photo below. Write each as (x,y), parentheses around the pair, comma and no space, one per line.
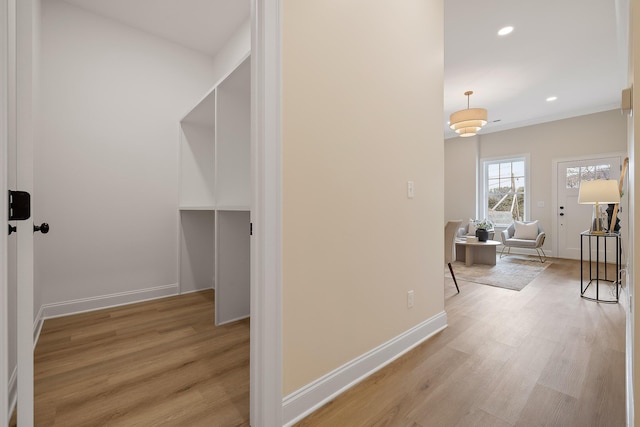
(19,205)
(250,229)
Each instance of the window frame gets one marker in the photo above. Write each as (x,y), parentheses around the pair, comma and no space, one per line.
(483,184)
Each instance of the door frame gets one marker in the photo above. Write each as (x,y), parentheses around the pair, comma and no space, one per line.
(266,254)
(554,190)
(4,138)
(266,208)
(27,30)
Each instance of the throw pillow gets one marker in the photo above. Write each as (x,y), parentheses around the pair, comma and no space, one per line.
(526,231)
(472,228)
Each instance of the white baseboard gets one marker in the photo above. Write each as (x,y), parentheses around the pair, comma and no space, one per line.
(234,320)
(629,355)
(82,305)
(13,392)
(193,291)
(307,399)
(37,326)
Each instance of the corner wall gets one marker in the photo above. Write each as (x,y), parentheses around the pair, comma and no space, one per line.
(362,115)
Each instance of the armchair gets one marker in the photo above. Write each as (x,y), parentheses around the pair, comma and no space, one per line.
(528,235)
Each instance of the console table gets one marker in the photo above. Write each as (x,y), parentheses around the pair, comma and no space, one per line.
(600,240)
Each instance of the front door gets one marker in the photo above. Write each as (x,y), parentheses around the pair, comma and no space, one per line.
(572,217)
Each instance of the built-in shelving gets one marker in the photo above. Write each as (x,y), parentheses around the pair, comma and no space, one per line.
(215,195)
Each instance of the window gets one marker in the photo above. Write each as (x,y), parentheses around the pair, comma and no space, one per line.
(505,190)
(587,173)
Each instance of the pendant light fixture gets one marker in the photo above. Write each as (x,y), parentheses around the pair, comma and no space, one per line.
(468,122)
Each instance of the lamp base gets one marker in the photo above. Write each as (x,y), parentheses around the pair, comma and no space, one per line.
(598,222)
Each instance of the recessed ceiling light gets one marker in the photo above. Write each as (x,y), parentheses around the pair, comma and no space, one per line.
(504,31)
(552,98)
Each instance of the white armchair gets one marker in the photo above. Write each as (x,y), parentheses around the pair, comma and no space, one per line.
(528,235)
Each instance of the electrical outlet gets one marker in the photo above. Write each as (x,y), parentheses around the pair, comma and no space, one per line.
(410,299)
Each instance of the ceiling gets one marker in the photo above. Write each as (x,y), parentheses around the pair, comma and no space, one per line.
(572,49)
(202,25)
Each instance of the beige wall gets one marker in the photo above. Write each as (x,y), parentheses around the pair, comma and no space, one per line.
(460,178)
(598,133)
(362,115)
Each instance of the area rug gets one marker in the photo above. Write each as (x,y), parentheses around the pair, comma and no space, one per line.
(510,272)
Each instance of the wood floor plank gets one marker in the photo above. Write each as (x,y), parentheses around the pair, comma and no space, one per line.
(447,405)
(567,369)
(508,396)
(479,418)
(547,407)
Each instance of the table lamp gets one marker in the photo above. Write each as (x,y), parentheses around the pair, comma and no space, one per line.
(596,192)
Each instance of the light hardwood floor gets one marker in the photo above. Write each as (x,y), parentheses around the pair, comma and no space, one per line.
(541,356)
(158,363)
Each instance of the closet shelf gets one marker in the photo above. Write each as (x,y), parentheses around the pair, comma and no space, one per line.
(197,208)
(215,208)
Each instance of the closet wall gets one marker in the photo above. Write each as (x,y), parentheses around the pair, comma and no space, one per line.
(107,165)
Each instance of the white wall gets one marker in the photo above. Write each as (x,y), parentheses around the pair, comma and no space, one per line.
(598,133)
(106,166)
(234,51)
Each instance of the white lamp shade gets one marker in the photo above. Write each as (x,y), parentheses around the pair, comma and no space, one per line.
(471,117)
(599,191)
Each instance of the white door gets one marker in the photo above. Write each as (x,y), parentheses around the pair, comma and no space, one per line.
(574,218)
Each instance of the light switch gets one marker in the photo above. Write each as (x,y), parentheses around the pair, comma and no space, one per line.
(541,204)
(410,189)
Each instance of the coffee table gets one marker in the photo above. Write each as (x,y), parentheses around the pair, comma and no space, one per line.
(476,252)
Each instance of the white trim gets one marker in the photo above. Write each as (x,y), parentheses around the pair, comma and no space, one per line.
(5,393)
(192,291)
(13,393)
(266,242)
(37,326)
(628,353)
(66,308)
(482,166)
(179,211)
(233,320)
(26,90)
(307,399)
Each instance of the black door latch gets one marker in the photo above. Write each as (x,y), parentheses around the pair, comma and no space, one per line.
(19,205)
